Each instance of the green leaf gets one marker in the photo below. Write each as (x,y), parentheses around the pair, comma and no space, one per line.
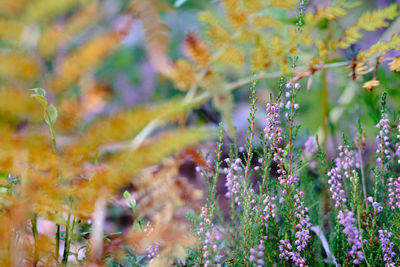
(127,194)
(41,99)
(39,91)
(51,115)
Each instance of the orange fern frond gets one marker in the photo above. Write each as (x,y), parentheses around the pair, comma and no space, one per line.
(196,49)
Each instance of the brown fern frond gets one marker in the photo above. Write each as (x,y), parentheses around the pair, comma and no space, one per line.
(182,73)
(196,49)
(156,33)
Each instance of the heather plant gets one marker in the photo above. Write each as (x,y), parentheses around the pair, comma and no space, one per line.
(268,221)
(92,174)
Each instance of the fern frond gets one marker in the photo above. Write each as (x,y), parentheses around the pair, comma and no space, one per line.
(84,59)
(196,49)
(216,32)
(266,21)
(182,73)
(370,21)
(126,124)
(63,32)
(45,10)
(232,54)
(155,32)
(381,48)
(260,58)
(131,161)
(254,6)
(283,4)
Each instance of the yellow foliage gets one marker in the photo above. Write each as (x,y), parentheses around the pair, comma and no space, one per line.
(183,74)
(126,124)
(10,30)
(395,64)
(22,104)
(18,66)
(260,59)
(232,54)
(84,59)
(283,4)
(370,21)
(266,21)
(254,6)
(37,10)
(380,48)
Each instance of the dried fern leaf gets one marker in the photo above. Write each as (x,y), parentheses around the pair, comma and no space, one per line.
(182,73)
(196,50)
(260,58)
(126,163)
(126,124)
(155,31)
(83,59)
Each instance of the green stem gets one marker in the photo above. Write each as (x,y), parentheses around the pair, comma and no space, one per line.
(36,239)
(324,105)
(66,241)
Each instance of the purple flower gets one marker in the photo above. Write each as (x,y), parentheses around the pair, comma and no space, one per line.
(336,187)
(208,237)
(303,222)
(269,209)
(310,145)
(398,144)
(288,255)
(386,247)
(353,236)
(273,134)
(232,179)
(257,254)
(153,251)
(394,193)
(382,139)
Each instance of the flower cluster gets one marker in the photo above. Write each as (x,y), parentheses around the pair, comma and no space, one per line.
(288,255)
(153,252)
(336,187)
(303,226)
(289,95)
(353,236)
(375,204)
(398,144)
(394,193)
(208,237)
(382,139)
(232,179)
(257,255)
(273,134)
(269,209)
(310,146)
(386,247)
(347,160)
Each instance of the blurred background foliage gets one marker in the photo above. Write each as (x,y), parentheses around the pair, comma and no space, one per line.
(148,73)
